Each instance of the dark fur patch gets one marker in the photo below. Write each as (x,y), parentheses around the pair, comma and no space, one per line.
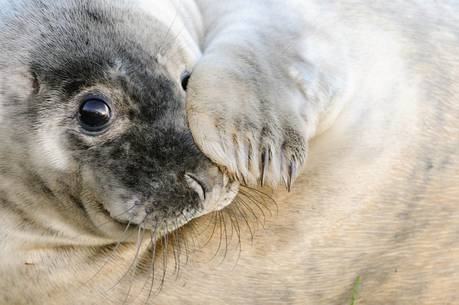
(82,48)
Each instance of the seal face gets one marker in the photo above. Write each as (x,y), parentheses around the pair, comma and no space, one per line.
(105,121)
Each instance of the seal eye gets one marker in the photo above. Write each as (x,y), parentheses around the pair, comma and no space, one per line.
(95,114)
(184,79)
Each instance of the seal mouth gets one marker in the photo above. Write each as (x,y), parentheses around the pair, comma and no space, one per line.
(137,216)
(160,228)
(112,212)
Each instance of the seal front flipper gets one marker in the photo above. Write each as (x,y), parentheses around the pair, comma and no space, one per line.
(256,96)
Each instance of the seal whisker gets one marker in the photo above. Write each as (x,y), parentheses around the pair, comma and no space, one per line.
(150,244)
(235,225)
(262,195)
(244,217)
(115,216)
(220,229)
(114,250)
(153,242)
(183,237)
(249,198)
(190,225)
(259,205)
(133,266)
(176,251)
(225,231)
(139,232)
(179,248)
(230,226)
(246,206)
(209,222)
(214,221)
(165,249)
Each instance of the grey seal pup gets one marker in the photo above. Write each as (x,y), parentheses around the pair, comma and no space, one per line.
(96,149)
(352,105)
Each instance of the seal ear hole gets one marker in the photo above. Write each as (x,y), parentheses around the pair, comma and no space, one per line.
(35,83)
(185,79)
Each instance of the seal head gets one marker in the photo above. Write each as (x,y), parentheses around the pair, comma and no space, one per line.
(103,123)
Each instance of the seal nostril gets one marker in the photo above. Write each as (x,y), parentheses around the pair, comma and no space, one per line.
(195,184)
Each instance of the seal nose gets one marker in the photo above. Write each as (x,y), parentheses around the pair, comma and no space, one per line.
(197,185)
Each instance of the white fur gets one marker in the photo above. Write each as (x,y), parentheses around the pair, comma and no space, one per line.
(49,152)
(372,88)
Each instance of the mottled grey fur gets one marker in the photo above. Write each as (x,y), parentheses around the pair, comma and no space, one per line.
(54,54)
(367,88)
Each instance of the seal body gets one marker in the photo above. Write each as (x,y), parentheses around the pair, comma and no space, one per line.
(352,105)
(363,95)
